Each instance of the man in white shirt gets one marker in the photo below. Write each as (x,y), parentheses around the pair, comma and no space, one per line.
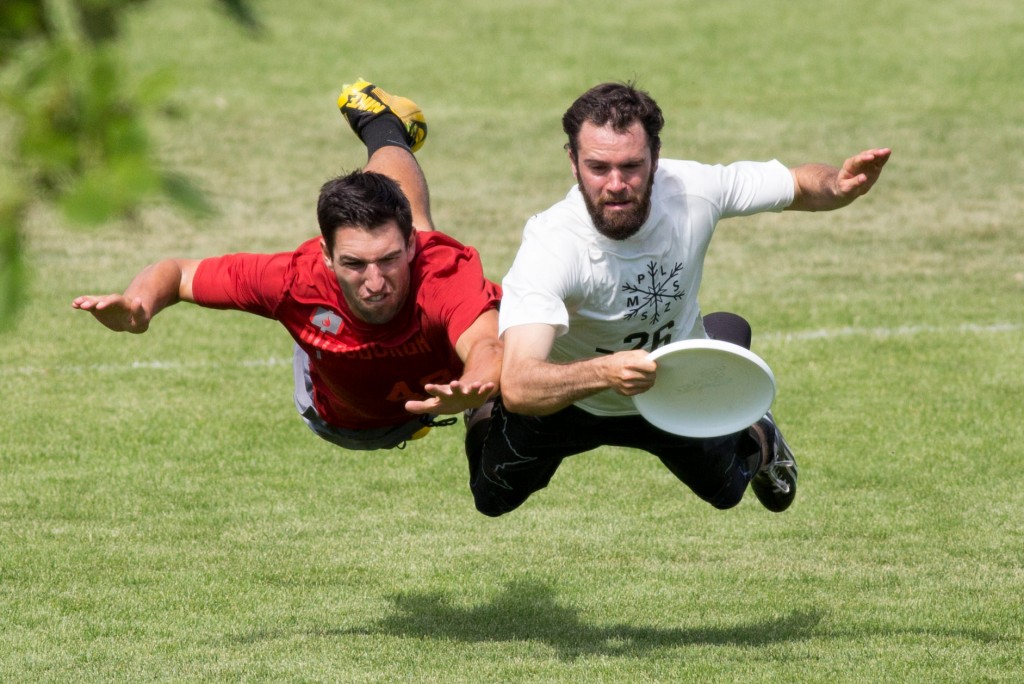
(611,273)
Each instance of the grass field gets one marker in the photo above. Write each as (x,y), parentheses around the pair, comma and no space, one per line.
(165,516)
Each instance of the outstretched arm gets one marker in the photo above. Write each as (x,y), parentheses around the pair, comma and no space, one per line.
(155,288)
(532,385)
(819,187)
(480,351)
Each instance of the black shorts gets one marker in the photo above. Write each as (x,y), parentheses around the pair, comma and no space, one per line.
(521,453)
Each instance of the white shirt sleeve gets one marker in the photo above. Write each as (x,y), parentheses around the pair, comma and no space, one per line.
(752,187)
(537,287)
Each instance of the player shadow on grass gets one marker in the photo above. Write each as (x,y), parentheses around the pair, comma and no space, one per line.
(528,611)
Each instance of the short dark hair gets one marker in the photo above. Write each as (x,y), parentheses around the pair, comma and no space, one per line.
(363,199)
(618,104)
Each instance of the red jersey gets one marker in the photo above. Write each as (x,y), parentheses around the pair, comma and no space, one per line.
(362,373)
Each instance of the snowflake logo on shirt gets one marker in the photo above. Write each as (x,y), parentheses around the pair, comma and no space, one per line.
(653,293)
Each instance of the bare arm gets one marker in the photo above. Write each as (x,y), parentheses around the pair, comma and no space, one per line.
(480,351)
(819,187)
(532,385)
(155,288)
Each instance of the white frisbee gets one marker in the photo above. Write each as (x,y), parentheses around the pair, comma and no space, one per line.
(707,388)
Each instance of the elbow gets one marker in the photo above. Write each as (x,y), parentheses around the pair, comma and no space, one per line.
(512,397)
(515,397)
(514,404)
(517,401)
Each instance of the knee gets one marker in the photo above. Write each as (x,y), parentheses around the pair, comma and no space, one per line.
(725,503)
(492,506)
(725,497)
(494,500)
(489,511)
(728,327)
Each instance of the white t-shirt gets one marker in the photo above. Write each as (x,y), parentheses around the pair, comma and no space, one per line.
(604,295)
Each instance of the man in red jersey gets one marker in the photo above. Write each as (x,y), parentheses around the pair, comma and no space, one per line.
(393,322)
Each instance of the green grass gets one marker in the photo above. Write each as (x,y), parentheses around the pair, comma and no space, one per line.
(165,516)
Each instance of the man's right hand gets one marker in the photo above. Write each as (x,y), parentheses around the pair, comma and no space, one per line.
(630,372)
(117,312)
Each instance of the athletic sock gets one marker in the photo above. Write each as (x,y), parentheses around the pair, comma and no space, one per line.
(760,457)
(386,130)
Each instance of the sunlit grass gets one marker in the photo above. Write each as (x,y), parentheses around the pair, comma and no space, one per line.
(165,516)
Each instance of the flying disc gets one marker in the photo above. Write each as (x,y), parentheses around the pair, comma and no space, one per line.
(707,388)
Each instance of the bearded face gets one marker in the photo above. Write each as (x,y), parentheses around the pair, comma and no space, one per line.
(618,216)
(615,172)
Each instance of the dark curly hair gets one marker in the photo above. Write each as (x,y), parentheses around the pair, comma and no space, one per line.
(364,199)
(618,104)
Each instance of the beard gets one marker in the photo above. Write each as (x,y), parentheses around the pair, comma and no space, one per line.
(619,225)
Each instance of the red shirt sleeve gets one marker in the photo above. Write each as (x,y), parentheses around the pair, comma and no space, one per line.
(453,289)
(254,283)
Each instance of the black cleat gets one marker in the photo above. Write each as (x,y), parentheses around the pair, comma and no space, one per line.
(775,483)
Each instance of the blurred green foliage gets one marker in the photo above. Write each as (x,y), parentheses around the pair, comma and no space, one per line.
(76,125)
